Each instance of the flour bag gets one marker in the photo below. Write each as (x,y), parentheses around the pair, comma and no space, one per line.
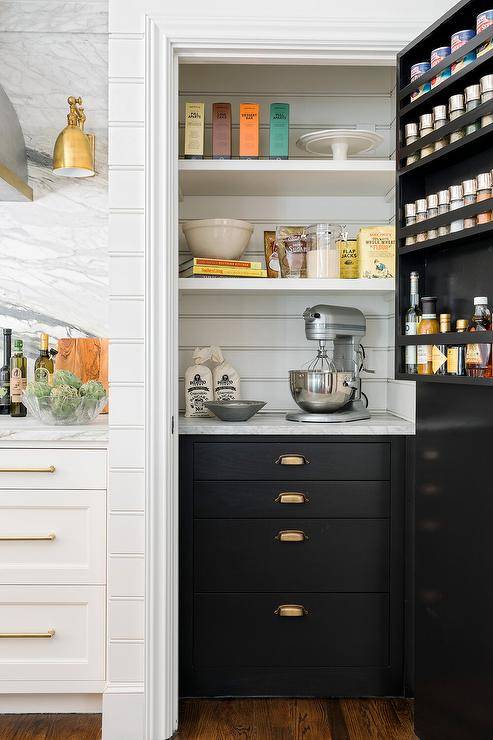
(226,383)
(199,382)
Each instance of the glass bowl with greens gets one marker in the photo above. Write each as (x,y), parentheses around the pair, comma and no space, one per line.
(68,401)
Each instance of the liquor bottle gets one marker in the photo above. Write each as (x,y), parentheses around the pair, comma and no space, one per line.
(456,353)
(427,325)
(478,356)
(439,351)
(18,379)
(44,366)
(412,319)
(5,373)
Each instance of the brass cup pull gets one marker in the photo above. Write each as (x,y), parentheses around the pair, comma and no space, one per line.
(27,635)
(28,537)
(292,460)
(50,469)
(291,610)
(291,535)
(290,497)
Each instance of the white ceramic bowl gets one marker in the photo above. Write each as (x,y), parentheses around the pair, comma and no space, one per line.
(217,238)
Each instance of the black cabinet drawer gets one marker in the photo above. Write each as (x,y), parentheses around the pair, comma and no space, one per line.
(319,460)
(248,555)
(292,498)
(338,630)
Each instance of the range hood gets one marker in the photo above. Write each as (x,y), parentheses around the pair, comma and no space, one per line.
(13,160)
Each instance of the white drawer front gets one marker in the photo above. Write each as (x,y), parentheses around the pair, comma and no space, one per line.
(74,652)
(52,469)
(52,537)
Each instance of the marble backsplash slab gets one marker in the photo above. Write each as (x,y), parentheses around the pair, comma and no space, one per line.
(53,251)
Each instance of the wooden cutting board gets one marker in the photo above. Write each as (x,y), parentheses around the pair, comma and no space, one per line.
(87,358)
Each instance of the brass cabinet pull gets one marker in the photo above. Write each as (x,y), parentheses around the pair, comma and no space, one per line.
(291,610)
(23,635)
(290,497)
(50,469)
(291,535)
(292,460)
(27,537)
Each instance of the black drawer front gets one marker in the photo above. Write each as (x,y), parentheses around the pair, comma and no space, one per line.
(350,630)
(244,555)
(324,461)
(292,498)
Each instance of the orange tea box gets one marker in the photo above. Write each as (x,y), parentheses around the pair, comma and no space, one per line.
(249,130)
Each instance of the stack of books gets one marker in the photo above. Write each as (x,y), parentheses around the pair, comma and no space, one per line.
(201,267)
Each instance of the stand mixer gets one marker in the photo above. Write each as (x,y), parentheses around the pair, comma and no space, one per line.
(324,393)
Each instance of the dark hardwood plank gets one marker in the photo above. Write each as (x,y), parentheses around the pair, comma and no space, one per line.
(295,719)
(50,727)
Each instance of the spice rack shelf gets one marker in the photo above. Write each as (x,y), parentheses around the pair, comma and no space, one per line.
(380,286)
(298,177)
(458,266)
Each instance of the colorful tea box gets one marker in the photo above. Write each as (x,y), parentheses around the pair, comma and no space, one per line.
(249,130)
(279,131)
(194,130)
(221,131)
(376,252)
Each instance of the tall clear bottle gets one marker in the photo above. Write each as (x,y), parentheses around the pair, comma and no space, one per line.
(412,319)
(18,379)
(44,366)
(5,373)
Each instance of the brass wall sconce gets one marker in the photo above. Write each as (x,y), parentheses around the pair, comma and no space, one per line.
(74,152)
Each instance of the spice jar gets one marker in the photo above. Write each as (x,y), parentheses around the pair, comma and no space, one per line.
(421,209)
(472,96)
(456,108)
(410,136)
(439,120)
(469,188)
(483,193)
(443,207)
(456,201)
(322,251)
(486,86)
(425,128)
(431,212)
(410,217)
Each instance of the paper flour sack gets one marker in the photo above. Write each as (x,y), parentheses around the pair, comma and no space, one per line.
(226,383)
(199,381)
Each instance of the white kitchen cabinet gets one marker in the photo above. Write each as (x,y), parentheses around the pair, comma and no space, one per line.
(52,468)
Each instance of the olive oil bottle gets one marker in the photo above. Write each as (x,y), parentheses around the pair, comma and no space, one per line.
(5,373)
(18,379)
(44,366)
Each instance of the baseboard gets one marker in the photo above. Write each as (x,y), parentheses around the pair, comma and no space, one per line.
(123,712)
(50,703)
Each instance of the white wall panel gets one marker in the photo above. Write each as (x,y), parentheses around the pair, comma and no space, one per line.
(126,576)
(126,319)
(127,405)
(126,490)
(126,661)
(126,533)
(126,619)
(126,101)
(126,57)
(126,189)
(127,145)
(126,448)
(126,231)
(126,275)
(402,398)
(126,361)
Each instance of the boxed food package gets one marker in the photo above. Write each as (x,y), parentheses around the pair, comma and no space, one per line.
(376,251)
(291,242)
(249,130)
(271,254)
(279,131)
(348,259)
(194,130)
(221,131)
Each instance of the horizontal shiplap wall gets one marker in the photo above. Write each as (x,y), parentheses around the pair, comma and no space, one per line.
(126,484)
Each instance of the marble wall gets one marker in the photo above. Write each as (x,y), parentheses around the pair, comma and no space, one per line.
(53,251)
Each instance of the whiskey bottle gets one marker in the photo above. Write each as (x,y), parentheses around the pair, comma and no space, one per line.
(439,351)
(413,316)
(18,379)
(427,325)
(5,373)
(478,356)
(456,353)
(44,365)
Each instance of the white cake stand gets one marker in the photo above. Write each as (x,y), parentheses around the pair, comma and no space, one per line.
(340,142)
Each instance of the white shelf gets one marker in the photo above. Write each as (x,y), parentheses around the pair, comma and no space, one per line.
(303,177)
(378,286)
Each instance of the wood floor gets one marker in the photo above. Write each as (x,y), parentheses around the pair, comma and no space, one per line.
(244,719)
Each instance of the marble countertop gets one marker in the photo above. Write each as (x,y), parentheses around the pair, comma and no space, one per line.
(379,424)
(31,430)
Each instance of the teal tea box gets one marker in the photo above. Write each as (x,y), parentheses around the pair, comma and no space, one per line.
(279,131)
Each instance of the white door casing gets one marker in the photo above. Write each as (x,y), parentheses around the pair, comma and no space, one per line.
(170,40)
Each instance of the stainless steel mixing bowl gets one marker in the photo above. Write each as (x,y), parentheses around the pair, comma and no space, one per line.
(320,392)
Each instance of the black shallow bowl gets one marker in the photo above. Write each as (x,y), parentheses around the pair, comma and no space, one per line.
(234,410)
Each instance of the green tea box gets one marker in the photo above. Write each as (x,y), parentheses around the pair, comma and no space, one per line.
(279,131)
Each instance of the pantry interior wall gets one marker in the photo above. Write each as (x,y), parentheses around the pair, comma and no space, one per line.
(262,335)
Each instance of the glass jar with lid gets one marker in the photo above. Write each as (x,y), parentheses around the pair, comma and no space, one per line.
(322,250)
(456,108)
